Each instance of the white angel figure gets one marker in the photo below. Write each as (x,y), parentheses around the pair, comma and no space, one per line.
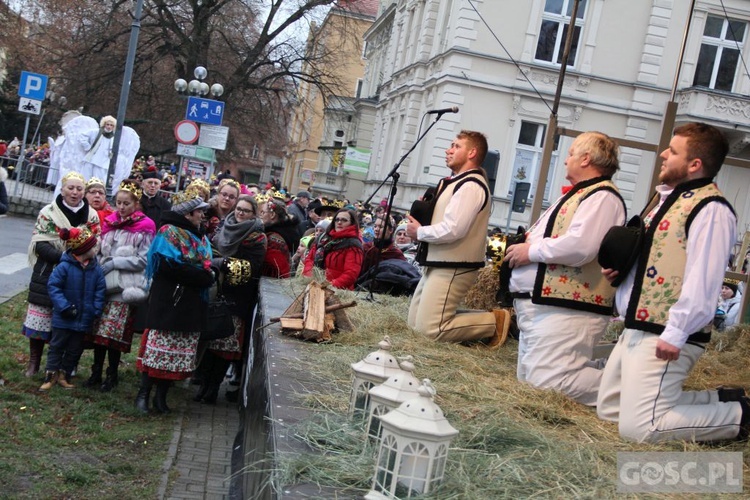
(87,149)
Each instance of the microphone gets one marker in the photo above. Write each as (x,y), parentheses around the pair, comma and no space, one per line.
(452,109)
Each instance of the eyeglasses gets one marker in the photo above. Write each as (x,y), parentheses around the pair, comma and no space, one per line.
(341,219)
(228,196)
(244,211)
(96,192)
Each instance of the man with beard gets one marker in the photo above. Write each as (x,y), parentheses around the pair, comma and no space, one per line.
(668,299)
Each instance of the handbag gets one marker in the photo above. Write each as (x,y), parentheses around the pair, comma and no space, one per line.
(219,323)
(112,282)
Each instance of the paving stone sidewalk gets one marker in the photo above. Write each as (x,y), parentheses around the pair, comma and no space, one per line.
(199,461)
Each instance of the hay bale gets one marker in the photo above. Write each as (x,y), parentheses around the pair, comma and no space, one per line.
(482,294)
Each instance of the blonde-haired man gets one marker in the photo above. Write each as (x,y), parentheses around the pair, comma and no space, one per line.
(562,301)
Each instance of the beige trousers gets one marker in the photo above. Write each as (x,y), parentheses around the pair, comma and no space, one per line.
(434,303)
(645,395)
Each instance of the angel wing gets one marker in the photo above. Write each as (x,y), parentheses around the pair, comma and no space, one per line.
(130,143)
(53,174)
(71,152)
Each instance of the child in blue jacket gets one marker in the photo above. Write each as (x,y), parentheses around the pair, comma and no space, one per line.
(77,290)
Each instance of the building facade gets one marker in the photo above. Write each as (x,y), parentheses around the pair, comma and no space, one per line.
(499,63)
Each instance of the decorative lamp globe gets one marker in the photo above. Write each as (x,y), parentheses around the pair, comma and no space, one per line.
(389,395)
(373,369)
(413,449)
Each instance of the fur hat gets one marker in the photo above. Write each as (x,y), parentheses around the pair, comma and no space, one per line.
(78,240)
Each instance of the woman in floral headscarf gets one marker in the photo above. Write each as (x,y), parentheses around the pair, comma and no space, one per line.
(179,267)
(126,237)
(70,209)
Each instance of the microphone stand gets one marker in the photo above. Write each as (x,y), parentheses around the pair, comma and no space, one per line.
(394,176)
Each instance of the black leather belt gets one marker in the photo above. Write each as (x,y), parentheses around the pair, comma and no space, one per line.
(520,295)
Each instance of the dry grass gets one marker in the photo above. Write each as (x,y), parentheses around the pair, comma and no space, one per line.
(514,441)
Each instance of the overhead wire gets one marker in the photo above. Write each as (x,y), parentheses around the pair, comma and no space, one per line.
(510,56)
(734,37)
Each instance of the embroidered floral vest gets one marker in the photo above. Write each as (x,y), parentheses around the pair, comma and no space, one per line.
(581,288)
(661,265)
(466,252)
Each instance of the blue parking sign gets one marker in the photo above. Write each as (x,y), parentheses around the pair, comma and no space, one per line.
(205,111)
(32,86)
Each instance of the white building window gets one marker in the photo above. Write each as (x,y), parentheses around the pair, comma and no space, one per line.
(554,31)
(529,157)
(720,52)
(256,152)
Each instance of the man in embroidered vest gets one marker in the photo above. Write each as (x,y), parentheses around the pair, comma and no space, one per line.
(668,300)
(455,242)
(562,302)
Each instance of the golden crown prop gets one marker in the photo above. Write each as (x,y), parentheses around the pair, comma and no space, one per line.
(94,181)
(184,196)
(496,246)
(73,175)
(132,188)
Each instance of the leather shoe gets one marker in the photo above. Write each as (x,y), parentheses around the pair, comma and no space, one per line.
(502,324)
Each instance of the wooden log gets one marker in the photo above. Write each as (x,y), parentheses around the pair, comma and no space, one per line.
(314,310)
(291,323)
(328,309)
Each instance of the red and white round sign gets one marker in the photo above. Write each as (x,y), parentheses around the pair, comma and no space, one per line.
(186,132)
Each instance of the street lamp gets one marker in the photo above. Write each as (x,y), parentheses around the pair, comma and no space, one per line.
(197,87)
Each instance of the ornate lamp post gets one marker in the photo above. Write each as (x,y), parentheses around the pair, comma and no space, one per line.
(196,88)
(414,448)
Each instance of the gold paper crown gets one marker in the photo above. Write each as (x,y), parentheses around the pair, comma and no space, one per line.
(94,181)
(278,195)
(78,239)
(337,203)
(496,245)
(238,272)
(731,281)
(261,198)
(132,188)
(201,187)
(230,182)
(73,175)
(184,196)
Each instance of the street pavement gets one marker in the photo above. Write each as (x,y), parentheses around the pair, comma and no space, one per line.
(15,273)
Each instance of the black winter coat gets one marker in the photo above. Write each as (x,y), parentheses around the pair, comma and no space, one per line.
(48,256)
(175,302)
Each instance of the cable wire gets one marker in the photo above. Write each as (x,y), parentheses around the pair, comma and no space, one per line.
(511,57)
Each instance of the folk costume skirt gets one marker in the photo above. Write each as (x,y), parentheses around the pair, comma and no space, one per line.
(167,355)
(114,330)
(230,347)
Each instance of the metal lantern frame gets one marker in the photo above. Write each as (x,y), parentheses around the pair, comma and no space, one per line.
(372,370)
(413,449)
(390,394)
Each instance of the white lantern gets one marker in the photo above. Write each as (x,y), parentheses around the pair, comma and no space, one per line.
(413,448)
(389,395)
(373,369)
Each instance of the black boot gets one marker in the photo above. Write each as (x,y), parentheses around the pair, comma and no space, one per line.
(144,391)
(201,392)
(112,377)
(36,349)
(160,398)
(95,380)
(212,393)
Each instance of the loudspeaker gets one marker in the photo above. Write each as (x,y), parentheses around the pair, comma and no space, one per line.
(520,195)
(490,164)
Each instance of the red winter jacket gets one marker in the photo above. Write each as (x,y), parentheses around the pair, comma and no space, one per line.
(342,266)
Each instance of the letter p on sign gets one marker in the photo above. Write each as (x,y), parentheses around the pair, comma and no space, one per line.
(32,86)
